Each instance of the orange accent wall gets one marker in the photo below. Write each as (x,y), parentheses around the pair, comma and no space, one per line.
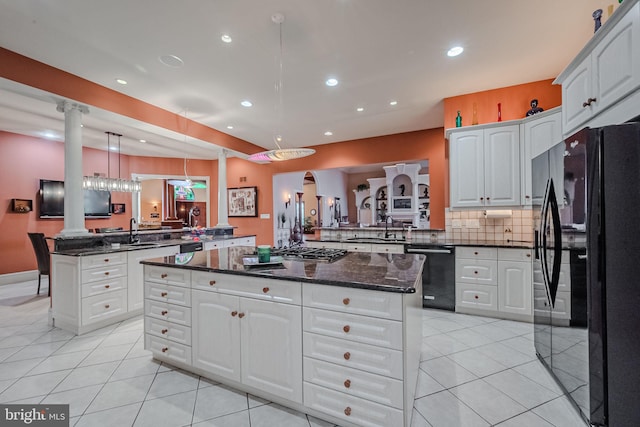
(515,100)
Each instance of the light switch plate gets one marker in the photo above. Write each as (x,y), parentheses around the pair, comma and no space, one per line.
(265,216)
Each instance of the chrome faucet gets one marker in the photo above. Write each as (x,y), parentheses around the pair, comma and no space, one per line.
(133,238)
(386,227)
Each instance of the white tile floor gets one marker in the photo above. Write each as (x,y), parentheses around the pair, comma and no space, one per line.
(475,371)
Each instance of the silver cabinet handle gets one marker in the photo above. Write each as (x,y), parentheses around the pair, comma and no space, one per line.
(582,257)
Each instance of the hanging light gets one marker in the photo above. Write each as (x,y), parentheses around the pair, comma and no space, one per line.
(186,182)
(280,153)
(118,184)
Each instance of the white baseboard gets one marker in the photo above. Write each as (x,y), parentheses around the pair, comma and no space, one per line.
(20,276)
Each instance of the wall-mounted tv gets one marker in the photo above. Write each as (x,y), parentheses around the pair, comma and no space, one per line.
(97,204)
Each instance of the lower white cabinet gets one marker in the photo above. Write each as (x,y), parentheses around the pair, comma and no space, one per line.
(135,273)
(495,282)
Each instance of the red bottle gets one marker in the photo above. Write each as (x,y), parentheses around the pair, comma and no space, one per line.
(499,112)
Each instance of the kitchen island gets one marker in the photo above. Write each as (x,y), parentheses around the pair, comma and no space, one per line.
(338,340)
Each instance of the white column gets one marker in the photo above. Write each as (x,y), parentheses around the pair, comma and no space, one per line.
(223,215)
(73,196)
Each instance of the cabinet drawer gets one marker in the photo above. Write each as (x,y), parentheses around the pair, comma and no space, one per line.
(350,300)
(368,330)
(242,241)
(357,247)
(212,244)
(166,293)
(284,291)
(173,313)
(98,307)
(476,253)
(477,271)
(354,382)
(168,350)
(350,408)
(104,272)
(169,276)
(388,249)
(102,260)
(167,330)
(483,297)
(377,360)
(109,285)
(515,254)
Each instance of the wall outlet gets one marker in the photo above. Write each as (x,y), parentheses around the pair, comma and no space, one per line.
(456,223)
(473,223)
(265,216)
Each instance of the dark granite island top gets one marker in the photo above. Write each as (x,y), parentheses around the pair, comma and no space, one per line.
(373,271)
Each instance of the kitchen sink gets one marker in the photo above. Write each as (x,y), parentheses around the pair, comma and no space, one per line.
(142,245)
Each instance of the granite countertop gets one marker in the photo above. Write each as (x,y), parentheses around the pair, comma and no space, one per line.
(382,272)
(374,240)
(151,244)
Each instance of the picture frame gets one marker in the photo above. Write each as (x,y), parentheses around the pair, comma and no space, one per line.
(242,201)
(117,208)
(21,205)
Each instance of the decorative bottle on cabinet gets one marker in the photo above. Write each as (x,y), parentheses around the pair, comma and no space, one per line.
(458,120)
(474,120)
(499,112)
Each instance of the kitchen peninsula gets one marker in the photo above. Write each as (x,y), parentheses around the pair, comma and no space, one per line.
(339,339)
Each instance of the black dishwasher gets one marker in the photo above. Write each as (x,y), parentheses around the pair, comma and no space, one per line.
(438,274)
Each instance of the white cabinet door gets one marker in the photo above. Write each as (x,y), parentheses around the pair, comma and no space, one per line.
(514,287)
(466,168)
(538,134)
(271,337)
(576,90)
(502,166)
(216,333)
(135,273)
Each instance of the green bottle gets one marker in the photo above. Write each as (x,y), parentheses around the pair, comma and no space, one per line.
(458,120)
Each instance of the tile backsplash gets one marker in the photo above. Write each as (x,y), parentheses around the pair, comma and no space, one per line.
(472,225)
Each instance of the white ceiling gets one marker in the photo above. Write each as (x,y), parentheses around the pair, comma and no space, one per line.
(380,50)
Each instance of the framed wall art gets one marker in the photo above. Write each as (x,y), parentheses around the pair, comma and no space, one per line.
(242,201)
(117,208)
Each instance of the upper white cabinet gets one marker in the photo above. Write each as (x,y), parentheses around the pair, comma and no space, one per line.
(538,133)
(604,74)
(485,166)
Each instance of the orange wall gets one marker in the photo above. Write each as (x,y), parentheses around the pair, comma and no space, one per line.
(515,100)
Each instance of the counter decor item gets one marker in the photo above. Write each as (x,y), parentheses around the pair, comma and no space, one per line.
(458,120)
(242,201)
(264,253)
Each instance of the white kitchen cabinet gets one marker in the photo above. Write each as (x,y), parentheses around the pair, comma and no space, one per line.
(538,133)
(253,341)
(323,244)
(605,72)
(135,273)
(208,245)
(484,166)
(494,282)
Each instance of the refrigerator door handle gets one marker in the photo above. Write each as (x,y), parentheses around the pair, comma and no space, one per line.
(557,244)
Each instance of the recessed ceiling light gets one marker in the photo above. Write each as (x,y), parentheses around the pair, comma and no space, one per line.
(229,127)
(143,140)
(331,82)
(121,81)
(455,51)
(392,103)
(328,133)
(226,38)
(246,103)
(114,148)
(49,135)
(360,109)
(171,61)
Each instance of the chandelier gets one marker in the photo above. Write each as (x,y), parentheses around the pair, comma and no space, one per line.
(101,183)
(280,153)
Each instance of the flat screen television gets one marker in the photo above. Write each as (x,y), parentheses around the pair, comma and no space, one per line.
(97,204)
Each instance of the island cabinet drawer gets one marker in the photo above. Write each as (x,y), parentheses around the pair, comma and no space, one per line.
(387,249)
(170,312)
(169,276)
(354,382)
(104,273)
(164,329)
(241,241)
(477,271)
(212,244)
(284,291)
(167,350)
(98,307)
(368,330)
(477,296)
(387,305)
(110,285)
(377,360)
(166,293)
(357,247)
(94,261)
(351,408)
(476,253)
(505,254)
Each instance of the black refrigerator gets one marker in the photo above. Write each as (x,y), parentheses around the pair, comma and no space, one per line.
(591,183)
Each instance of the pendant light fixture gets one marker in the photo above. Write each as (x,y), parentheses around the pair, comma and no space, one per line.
(100,183)
(280,153)
(186,182)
